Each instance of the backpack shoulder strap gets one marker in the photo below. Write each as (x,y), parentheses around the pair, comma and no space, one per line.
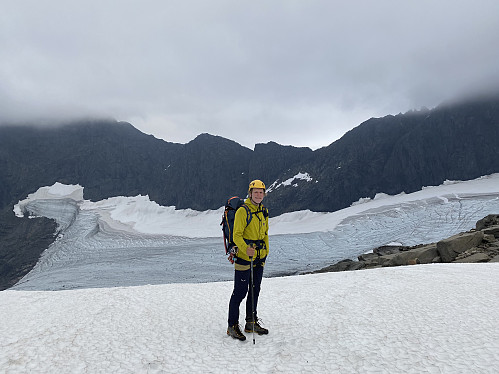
(262,209)
(249,214)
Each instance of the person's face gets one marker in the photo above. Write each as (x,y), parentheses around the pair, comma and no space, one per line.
(257,195)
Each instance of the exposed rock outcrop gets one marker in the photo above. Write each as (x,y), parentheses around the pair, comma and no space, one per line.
(477,245)
(17,257)
(450,248)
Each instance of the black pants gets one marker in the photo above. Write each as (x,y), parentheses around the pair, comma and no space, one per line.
(242,280)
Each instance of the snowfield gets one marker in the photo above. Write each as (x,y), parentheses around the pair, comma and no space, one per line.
(438,318)
(137,292)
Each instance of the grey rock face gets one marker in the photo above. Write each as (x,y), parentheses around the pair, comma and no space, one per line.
(493,230)
(17,257)
(490,220)
(423,255)
(477,257)
(448,249)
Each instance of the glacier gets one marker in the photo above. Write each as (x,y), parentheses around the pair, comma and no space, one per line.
(132,241)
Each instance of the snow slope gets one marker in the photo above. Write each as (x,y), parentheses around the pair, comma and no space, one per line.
(131,241)
(123,317)
(438,318)
(139,214)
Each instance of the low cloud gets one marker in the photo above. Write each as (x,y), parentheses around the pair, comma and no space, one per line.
(300,73)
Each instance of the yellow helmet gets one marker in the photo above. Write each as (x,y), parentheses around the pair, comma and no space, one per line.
(256,184)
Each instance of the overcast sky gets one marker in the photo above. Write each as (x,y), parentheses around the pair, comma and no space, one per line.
(295,72)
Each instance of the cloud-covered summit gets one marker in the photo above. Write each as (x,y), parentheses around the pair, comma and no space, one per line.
(300,73)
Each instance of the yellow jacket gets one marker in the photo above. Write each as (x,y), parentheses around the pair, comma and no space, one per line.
(258,229)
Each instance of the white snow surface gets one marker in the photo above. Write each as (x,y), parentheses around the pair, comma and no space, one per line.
(139,214)
(289,181)
(132,241)
(54,192)
(439,318)
(137,292)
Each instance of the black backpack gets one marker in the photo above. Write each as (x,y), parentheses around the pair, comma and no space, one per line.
(232,205)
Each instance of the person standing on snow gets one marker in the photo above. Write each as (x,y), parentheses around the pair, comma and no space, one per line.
(252,241)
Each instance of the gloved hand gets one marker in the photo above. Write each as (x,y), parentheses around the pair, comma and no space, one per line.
(250,251)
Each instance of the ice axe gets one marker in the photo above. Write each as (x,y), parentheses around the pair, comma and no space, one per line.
(252,297)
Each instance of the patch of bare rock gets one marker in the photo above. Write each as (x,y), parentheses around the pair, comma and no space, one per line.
(480,244)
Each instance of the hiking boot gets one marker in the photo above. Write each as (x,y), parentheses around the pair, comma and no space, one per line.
(256,325)
(235,332)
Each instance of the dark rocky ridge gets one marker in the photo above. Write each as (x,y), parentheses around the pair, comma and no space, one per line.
(22,242)
(392,154)
(400,153)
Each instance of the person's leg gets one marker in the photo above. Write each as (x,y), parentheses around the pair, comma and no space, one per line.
(257,281)
(241,282)
(251,325)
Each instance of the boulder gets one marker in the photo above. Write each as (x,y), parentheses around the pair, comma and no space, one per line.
(371,261)
(356,265)
(368,257)
(420,255)
(488,238)
(490,220)
(385,260)
(495,259)
(492,230)
(476,257)
(389,249)
(378,261)
(343,265)
(427,253)
(450,248)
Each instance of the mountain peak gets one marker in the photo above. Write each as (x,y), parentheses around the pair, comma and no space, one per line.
(209,140)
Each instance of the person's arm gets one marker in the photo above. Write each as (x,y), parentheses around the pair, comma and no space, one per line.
(266,239)
(239,226)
